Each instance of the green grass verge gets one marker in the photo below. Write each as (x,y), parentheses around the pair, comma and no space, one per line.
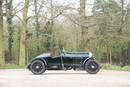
(13,67)
(113,67)
(105,67)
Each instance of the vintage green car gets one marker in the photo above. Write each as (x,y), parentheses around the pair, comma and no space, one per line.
(65,61)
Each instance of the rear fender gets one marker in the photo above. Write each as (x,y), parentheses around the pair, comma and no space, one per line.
(43,60)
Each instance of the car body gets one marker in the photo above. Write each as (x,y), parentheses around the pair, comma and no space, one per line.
(65,61)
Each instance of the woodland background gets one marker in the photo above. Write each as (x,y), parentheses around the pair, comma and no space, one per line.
(32,27)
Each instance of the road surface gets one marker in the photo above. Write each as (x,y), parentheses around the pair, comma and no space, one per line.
(24,78)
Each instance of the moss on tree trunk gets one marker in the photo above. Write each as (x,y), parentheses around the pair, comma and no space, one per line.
(22,55)
(2,61)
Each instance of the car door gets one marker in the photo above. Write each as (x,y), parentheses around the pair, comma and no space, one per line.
(67,61)
(77,60)
(54,61)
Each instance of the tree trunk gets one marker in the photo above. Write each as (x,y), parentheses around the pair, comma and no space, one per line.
(108,54)
(122,16)
(37,25)
(9,17)
(120,56)
(126,55)
(51,27)
(18,41)
(110,57)
(83,24)
(22,56)
(2,60)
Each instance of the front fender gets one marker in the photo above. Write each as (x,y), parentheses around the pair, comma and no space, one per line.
(28,66)
(87,60)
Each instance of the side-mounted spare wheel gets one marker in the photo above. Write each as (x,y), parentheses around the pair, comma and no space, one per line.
(92,67)
(37,67)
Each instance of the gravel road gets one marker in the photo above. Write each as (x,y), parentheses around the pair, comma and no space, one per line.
(24,78)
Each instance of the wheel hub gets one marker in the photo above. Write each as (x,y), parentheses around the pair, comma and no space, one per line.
(37,67)
(92,66)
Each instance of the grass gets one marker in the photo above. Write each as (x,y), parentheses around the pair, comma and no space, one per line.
(114,67)
(103,66)
(9,66)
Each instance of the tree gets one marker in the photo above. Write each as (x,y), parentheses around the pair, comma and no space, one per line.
(111,31)
(83,25)
(22,55)
(105,12)
(52,34)
(37,24)
(2,61)
(37,9)
(122,16)
(55,11)
(9,17)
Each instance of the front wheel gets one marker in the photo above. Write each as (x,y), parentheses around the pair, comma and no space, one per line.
(37,67)
(92,67)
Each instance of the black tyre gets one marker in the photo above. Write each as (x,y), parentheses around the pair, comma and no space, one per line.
(92,67)
(37,67)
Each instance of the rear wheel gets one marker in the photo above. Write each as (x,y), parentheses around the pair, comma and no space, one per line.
(92,67)
(37,67)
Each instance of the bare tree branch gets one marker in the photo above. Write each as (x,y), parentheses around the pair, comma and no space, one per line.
(19,18)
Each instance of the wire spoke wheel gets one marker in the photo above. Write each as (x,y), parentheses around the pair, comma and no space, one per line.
(37,67)
(92,67)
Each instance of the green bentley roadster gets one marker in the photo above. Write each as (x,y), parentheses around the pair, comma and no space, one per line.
(65,61)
